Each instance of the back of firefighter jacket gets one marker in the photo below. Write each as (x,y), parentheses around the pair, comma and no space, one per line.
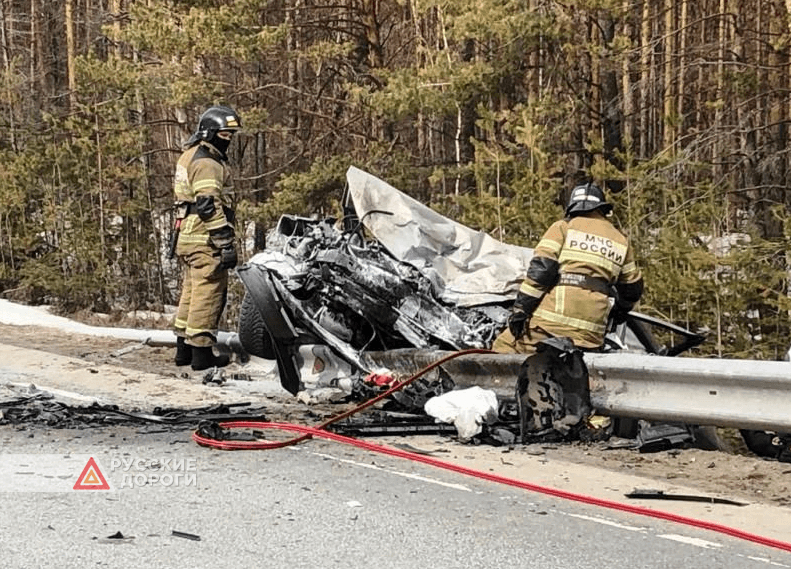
(587,245)
(202,177)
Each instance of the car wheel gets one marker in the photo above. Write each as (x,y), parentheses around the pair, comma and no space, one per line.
(253,334)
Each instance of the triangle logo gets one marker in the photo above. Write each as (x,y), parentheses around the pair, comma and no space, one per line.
(91,478)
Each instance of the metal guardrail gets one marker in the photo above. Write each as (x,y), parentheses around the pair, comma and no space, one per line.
(226,341)
(744,394)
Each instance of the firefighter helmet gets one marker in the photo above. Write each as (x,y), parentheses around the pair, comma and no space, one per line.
(213,120)
(585,198)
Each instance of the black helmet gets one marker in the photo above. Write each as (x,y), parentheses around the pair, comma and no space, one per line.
(587,198)
(213,120)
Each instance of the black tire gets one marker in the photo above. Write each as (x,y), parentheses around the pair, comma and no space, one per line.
(253,334)
(761,443)
(625,427)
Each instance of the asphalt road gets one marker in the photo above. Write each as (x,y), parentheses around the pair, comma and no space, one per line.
(322,505)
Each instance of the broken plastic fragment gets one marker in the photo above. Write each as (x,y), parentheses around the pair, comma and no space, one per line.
(380,377)
(185,535)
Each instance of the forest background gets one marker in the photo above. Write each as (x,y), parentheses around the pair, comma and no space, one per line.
(487,110)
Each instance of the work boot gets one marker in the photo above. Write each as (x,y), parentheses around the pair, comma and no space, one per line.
(204,358)
(183,352)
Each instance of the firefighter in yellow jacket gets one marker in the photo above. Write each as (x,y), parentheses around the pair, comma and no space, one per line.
(581,262)
(206,238)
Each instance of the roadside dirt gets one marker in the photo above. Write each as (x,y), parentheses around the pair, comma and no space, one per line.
(735,473)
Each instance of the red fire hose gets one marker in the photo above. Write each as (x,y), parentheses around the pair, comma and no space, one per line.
(319,431)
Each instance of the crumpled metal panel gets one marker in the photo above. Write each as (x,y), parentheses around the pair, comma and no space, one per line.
(466,267)
(337,284)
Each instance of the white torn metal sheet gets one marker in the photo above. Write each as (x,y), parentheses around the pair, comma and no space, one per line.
(465,266)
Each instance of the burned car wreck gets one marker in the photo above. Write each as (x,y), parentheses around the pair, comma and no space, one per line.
(392,276)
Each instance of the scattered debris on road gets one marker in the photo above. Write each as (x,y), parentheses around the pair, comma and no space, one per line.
(652,494)
(42,408)
(186,535)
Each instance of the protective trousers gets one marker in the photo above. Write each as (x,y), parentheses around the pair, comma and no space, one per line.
(203,295)
(505,343)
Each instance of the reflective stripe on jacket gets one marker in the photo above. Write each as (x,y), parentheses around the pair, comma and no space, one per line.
(200,171)
(588,245)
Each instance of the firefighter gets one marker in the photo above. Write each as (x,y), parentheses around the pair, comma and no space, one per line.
(580,264)
(205,243)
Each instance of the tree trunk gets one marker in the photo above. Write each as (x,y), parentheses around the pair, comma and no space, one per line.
(612,114)
(100,183)
(467,114)
(70,53)
(32,45)
(116,8)
(292,47)
(645,55)
(6,33)
(722,36)
(682,67)
(373,39)
(593,76)
(788,75)
(626,79)
(667,111)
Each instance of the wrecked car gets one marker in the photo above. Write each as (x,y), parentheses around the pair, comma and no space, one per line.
(391,276)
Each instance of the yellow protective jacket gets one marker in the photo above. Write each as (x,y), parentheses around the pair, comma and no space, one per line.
(587,245)
(203,178)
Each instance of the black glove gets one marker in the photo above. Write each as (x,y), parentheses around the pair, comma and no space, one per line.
(518,323)
(228,259)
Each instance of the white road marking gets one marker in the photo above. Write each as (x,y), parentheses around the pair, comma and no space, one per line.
(768,561)
(396,472)
(690,540)
(670,536)
(603,521)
